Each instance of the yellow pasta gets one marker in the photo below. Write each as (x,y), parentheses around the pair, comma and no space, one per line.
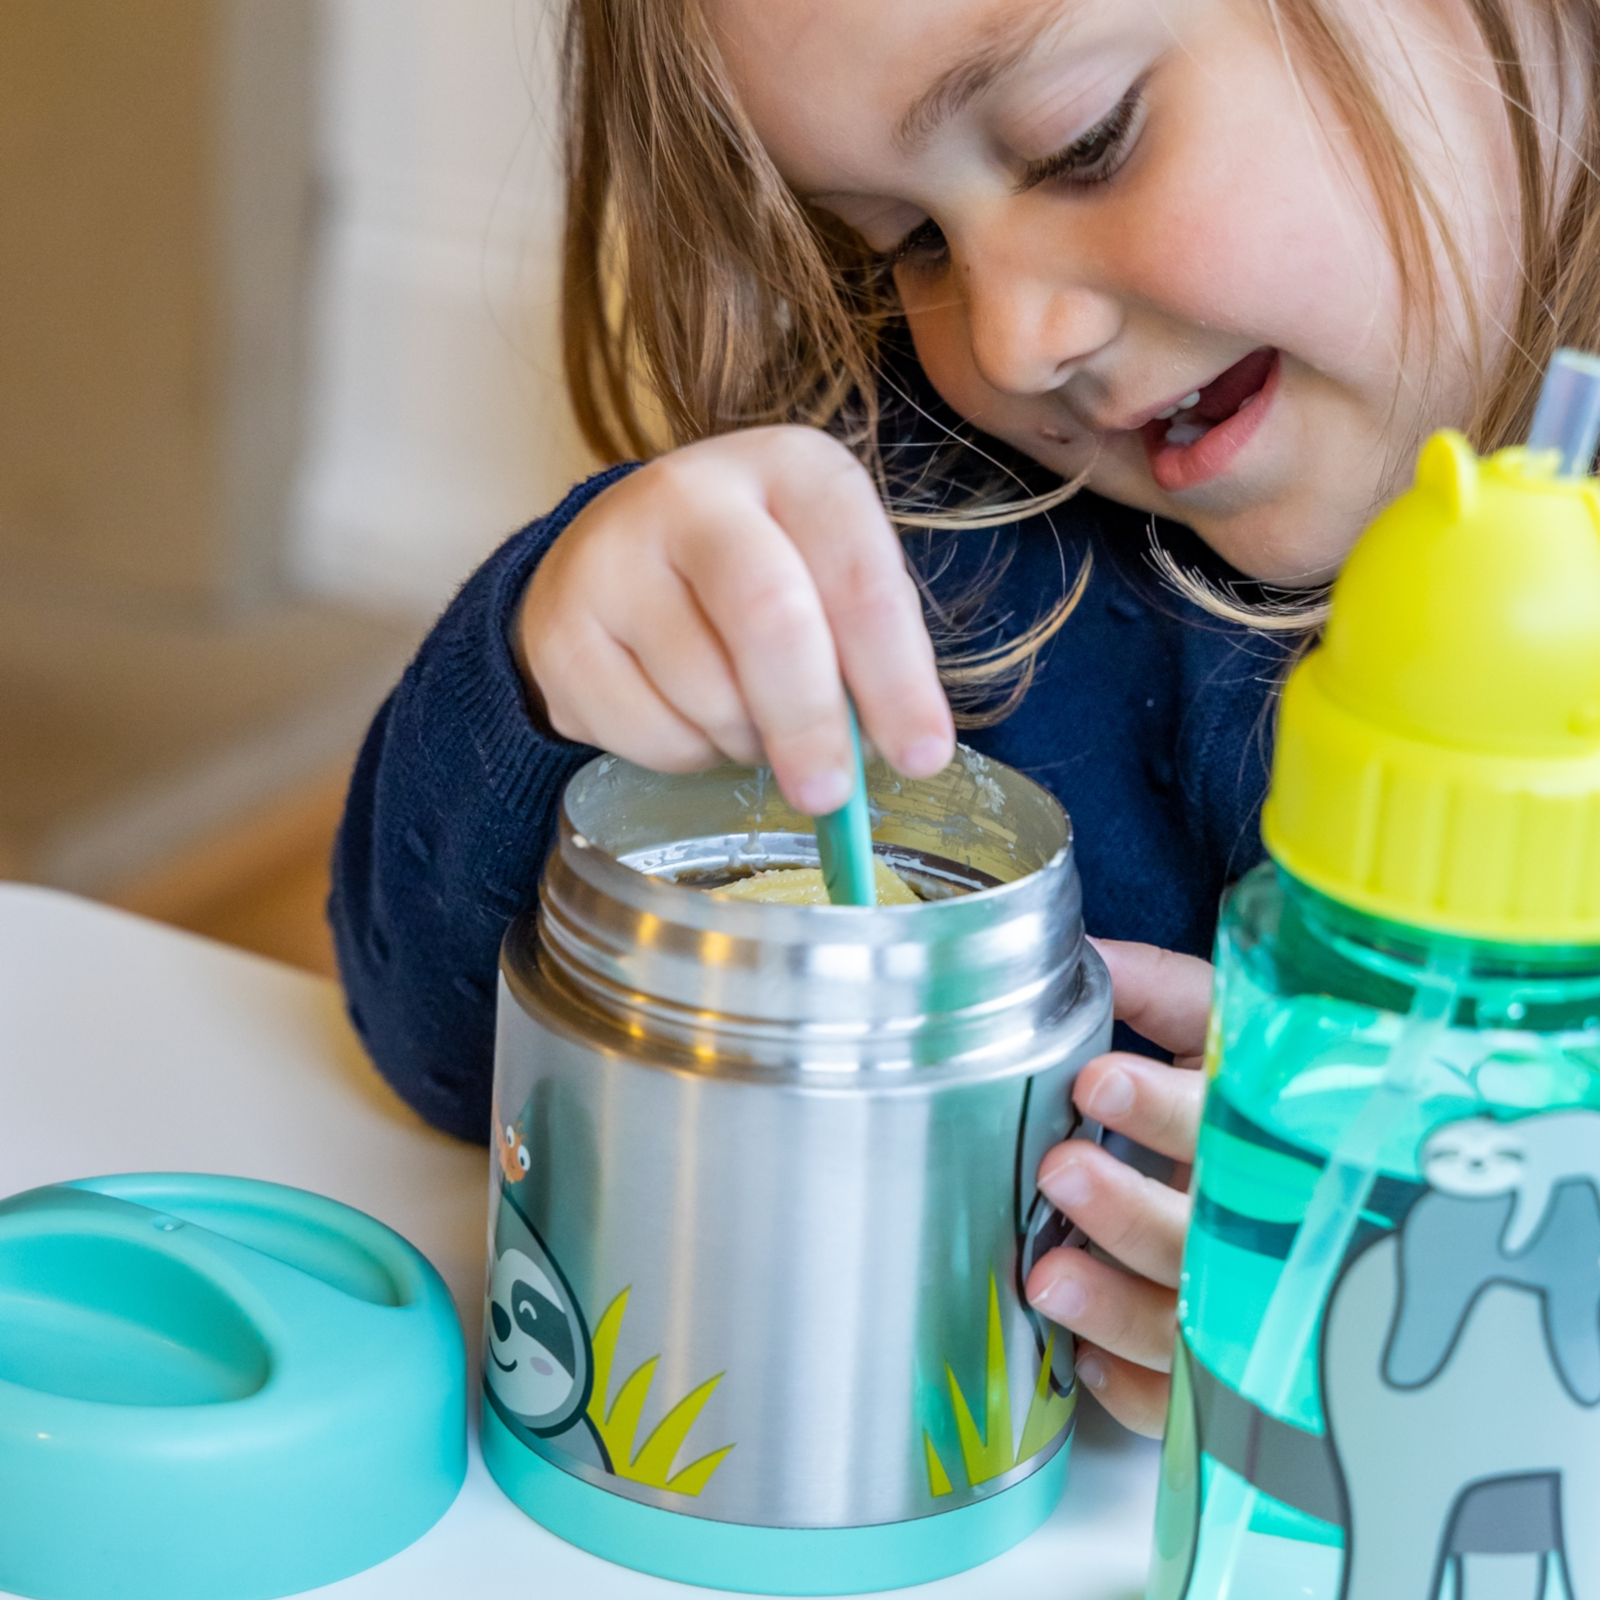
(803,886)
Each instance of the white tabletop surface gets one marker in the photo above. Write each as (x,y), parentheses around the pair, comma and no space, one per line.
(126,1046)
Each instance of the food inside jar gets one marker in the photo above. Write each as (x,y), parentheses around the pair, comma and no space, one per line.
(803,886)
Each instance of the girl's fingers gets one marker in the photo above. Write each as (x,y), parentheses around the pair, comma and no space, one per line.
(1156,1105)
(1134,1218)
(622,710)
(1131,1317)
(690,670)
(793,584)
(832,512)
(1160,994)
(1134,1395)
(759,598)
(811,585)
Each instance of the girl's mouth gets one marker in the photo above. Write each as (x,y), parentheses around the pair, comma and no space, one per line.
(1199,441)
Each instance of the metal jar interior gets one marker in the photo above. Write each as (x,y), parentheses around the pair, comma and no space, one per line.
(974,980)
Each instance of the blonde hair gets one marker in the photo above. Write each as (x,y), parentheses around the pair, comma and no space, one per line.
(701,295)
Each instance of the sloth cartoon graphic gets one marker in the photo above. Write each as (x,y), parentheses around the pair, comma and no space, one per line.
(1461,1371)
(538,1368)
(536,1365)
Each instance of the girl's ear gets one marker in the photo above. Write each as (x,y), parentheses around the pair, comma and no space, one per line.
(1448,470)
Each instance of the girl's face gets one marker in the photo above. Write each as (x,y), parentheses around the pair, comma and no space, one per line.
(1100,209)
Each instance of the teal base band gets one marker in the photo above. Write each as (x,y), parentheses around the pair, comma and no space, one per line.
(734,1555)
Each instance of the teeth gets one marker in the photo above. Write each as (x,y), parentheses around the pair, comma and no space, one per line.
(1186,404)
(1186,433)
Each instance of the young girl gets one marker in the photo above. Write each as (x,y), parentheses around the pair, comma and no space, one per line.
(1225,262)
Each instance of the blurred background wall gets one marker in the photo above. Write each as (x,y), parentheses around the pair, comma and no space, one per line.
(278,366)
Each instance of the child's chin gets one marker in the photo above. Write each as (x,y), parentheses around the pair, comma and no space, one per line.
(1292,543)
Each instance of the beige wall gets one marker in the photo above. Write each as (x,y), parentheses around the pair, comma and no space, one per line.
(155,186)
(159,681)
(438,420)
(278,295)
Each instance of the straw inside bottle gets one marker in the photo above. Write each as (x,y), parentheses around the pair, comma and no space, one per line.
(1295,1309)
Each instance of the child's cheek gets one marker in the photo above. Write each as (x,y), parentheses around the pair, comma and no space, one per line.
(943,340)
(1248,222)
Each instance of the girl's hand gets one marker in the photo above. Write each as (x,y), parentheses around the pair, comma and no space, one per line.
(715,603)
(1125,1318)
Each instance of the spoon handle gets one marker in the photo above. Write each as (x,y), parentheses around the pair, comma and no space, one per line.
(844,840)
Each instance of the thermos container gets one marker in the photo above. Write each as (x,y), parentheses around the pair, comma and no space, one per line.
(763,1194)
(1387,1379)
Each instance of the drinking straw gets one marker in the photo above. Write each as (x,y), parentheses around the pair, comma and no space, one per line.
(844,838)
(1567,417)
(1320,1242)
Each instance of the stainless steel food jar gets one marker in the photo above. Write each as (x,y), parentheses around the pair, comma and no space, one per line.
(763,1194)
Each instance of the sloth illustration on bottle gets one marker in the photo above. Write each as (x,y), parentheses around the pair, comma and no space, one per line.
(538,1368)
(533,1356)
(1526,1159)
(1461,1368)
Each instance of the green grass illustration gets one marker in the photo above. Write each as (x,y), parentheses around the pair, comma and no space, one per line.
(988,1453)
(618,1422)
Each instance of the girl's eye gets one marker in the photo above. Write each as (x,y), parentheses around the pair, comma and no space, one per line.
(924,246)
(1092,158)
(1095,156)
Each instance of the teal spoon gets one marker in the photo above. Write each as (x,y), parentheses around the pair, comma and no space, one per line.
(844,839)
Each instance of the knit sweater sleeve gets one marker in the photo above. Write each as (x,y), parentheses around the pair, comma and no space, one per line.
(451,812)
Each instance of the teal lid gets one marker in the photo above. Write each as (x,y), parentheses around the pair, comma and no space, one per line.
(216,1389)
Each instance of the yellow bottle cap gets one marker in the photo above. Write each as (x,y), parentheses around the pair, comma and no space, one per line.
(1438,755)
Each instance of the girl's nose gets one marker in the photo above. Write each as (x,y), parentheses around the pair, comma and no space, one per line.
(1028,334)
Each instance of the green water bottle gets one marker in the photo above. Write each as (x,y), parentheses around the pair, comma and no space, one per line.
(1386,1384)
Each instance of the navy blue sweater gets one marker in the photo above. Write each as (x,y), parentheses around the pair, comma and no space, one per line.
(1147,718)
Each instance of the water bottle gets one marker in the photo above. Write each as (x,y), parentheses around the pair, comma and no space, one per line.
(1386,1383)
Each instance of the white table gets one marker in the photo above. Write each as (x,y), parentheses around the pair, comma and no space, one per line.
(126,1046)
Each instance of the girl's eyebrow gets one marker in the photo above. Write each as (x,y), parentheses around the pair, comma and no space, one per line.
(960,84)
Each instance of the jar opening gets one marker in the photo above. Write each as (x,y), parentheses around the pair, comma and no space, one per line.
(718,861)
(974,826)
